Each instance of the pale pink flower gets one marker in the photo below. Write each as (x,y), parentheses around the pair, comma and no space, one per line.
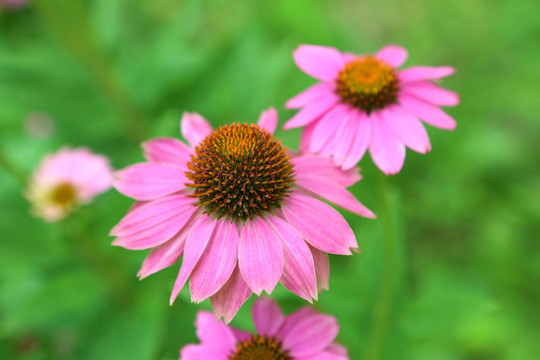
(67,179)
(366,102)
(303,335)
(241,211)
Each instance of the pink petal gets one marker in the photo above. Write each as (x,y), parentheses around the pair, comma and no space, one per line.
(406,128)
(344,139)
(393,55)
(167,150)
(305,139)
(362,136)
(299,270)
(311,336)
(241,335)
(337,349)
(427,112)
(267,316)
(194,128)
(319,224)
(387,152)
(322,268)
(332,192)
(200,352)
(152,213)
(293,319)
(312,94)
(432,93)
(312,112)
(323,166)
(227,301)
(163,256)
(327,126)
(148,181)
(217,262)
(421,73)
(214,333)
(156,235)
(325,355)
(320,62)
(268,120)
(260,256)
(198,238)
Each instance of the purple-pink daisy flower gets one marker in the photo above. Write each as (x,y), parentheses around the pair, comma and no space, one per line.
(67,179)
(242,212)
(303,335)
(365,102)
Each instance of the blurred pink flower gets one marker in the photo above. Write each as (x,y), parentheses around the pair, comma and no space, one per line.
(364,101)
(66,179)
(240,210)
(303,335)
(13,3)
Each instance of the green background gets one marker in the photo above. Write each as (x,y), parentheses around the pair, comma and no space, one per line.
(451,268)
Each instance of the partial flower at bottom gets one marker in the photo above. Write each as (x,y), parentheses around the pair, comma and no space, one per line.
(67,179)
(242,212)
(303,335)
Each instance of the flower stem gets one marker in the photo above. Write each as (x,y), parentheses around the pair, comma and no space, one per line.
(385,302)
(12,169)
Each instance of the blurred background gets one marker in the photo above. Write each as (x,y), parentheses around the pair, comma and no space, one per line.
(451,268)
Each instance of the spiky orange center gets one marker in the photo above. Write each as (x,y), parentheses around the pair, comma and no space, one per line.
(63,195)
(239,171)
(368,84)
(260,348)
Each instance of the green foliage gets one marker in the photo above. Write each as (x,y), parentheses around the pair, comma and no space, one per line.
(461,221)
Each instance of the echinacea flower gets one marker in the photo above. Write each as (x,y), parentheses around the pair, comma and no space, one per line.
(243,213)
(67,179)
(303,335)
(365,101)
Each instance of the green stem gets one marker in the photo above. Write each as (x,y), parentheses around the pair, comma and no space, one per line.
(385,303)
(12,169)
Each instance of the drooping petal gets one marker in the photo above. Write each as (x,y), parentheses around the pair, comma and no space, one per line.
(323,166)
(227,301)
(327,127)
(268,120)
(299,269)
(406,128)
(332,192)
(322,268)
(387,152)
(217,262)
(325,355)
(267,316)
(344,139)
(337,349)
(320,62)
(293,319)
(305,139)
(148,181)
(393,55)
(319,224)
(214,333)
(312,112)
(158,234)
(150,214)
(163,256)
(432,93)
(198,238)
(427,112)
(260,256)
(362,135)
(168,150)
(194,128)
(311,335)
(312,94)
(201,352)
(422,73)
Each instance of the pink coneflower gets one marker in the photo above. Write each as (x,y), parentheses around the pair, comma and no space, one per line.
(243,213)
(364,101)
(66,179)
(303,335)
